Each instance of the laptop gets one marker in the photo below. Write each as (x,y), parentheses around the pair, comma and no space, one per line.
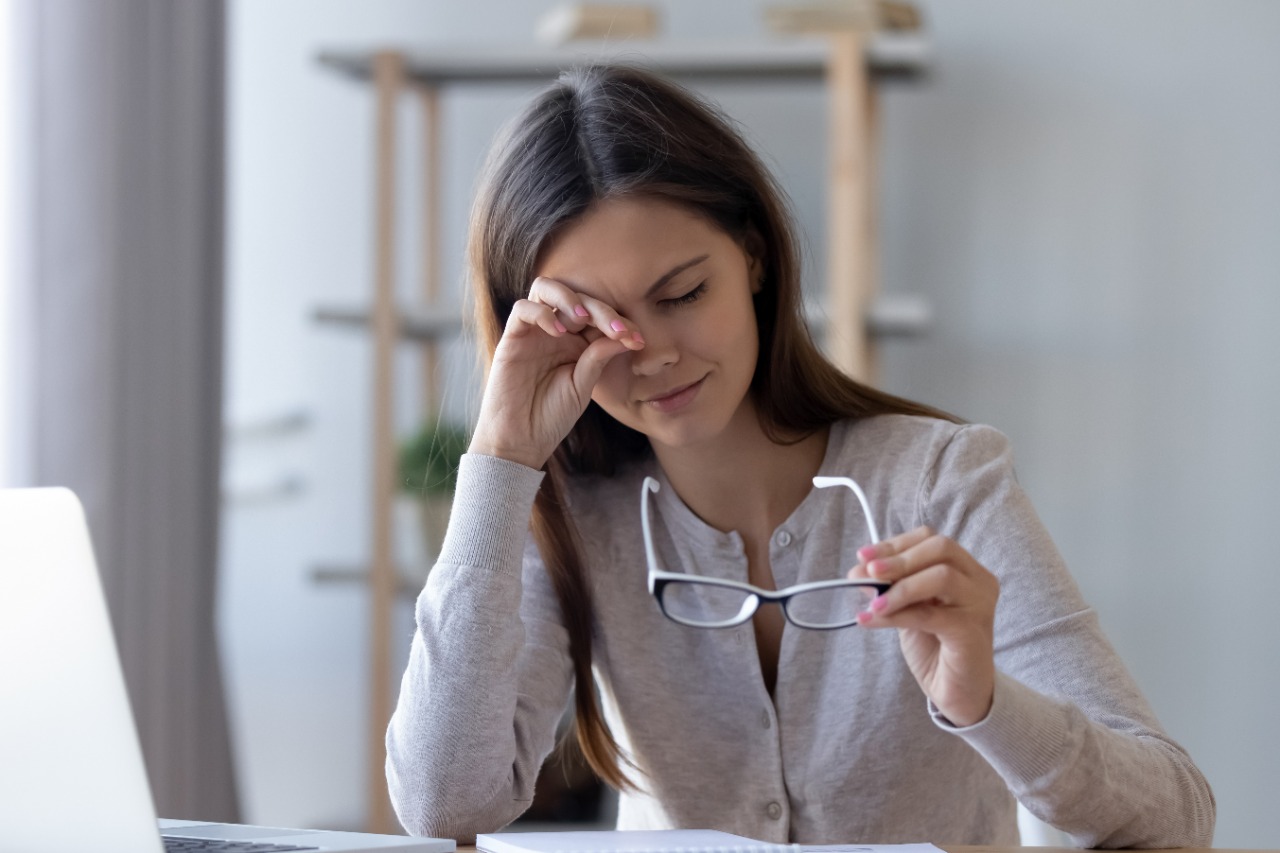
(71,771)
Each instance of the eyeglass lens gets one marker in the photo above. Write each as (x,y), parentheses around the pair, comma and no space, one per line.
(829,608)
(704,604)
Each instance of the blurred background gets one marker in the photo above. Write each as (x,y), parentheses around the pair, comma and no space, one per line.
(1080,198)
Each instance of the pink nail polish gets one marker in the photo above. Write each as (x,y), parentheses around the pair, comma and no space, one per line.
(635,336)
(864,617)
(580,311)
(618,326)
(879,603)
(867,553)
(876,567)
(560,327)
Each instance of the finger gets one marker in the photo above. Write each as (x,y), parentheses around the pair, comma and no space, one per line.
(564,300)
(577,311)
(592,362)
(887,548)
(927,601)
(938,585)
(927,552)
(526,315)
(612,324)
(929,618)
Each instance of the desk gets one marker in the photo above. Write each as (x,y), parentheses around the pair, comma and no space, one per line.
(960,848)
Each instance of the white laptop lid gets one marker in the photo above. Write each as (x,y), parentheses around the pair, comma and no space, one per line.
(71,770)
(69,754)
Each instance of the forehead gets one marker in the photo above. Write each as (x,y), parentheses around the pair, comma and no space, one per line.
(619,247)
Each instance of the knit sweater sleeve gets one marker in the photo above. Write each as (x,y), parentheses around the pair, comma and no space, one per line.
(488,676)
(1069,731)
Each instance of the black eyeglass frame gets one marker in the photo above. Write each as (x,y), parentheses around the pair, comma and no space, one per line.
(660,579)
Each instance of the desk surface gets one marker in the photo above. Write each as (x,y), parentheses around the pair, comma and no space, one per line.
(957,848)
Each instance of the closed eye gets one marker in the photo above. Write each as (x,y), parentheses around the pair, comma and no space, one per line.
(691,296)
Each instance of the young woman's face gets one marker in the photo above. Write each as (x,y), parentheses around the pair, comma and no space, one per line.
(687,285)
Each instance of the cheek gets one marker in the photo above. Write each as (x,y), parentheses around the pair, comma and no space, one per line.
(740,336)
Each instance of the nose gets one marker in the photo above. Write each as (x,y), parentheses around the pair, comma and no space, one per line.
(659,353)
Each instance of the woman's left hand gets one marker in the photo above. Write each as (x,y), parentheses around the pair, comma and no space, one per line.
(943,603)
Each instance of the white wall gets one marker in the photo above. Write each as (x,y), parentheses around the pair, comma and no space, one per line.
(1086,191)
(1089,193)
(14,389)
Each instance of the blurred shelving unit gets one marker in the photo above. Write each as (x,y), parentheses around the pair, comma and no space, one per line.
(849,64)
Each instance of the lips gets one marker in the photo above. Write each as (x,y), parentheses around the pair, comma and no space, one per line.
(676,398)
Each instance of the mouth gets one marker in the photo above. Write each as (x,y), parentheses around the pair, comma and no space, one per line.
(676,398)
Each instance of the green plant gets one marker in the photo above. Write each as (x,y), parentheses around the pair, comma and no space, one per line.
(429,459)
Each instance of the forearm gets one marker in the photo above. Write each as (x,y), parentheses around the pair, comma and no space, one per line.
(1104,787)
(1068,729)
(472,726)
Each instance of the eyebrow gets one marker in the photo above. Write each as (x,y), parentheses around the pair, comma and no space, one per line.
(672,273)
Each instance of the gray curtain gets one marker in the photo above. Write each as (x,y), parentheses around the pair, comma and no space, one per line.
(124,215)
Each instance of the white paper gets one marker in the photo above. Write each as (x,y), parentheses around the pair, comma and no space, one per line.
(869,848)
(667,841)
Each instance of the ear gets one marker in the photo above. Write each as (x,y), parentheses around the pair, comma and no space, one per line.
(753,245)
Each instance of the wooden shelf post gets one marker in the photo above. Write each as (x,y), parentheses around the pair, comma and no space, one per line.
(389,79)
(850,247)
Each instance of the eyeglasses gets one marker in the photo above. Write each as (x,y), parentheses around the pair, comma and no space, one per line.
(702,602)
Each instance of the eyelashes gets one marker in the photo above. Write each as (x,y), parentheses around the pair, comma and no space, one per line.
(692,296)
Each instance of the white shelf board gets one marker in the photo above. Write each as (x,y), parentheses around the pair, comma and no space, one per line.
(888,55)
(420,324)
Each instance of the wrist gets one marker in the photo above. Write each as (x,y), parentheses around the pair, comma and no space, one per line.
(971,708)
(521,456)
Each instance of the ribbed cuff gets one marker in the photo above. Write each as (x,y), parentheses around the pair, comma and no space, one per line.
(1024,734)
(489,520)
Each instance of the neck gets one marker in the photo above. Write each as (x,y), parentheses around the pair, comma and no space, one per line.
(742,480)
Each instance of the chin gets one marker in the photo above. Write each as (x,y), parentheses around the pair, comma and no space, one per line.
(687,435)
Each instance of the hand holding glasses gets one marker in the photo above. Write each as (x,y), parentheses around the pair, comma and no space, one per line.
(702,602)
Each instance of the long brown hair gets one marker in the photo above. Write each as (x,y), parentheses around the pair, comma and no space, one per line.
(608,131)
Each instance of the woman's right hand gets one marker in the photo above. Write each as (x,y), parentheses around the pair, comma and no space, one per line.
(553,350)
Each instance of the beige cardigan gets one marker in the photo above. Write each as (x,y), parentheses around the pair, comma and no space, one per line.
(847,749)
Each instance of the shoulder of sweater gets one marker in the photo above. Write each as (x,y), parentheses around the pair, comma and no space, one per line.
(899,458)
(894,440)
(913,435)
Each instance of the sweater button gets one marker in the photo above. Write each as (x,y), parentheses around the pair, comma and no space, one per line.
(783,538)
(765,719)
(774,811)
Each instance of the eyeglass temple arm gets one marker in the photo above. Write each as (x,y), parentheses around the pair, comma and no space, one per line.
(650,485)
(827,482)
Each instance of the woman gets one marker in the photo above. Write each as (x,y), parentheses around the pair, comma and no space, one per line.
(638,290)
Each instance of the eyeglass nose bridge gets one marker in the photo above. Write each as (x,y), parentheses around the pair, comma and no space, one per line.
(748,609)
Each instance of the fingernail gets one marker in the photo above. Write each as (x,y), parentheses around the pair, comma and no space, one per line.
(635,336)
(864,617)
(580,311)
(618,326)
(879,603)
(867,553)
(877,567)
(560,327)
